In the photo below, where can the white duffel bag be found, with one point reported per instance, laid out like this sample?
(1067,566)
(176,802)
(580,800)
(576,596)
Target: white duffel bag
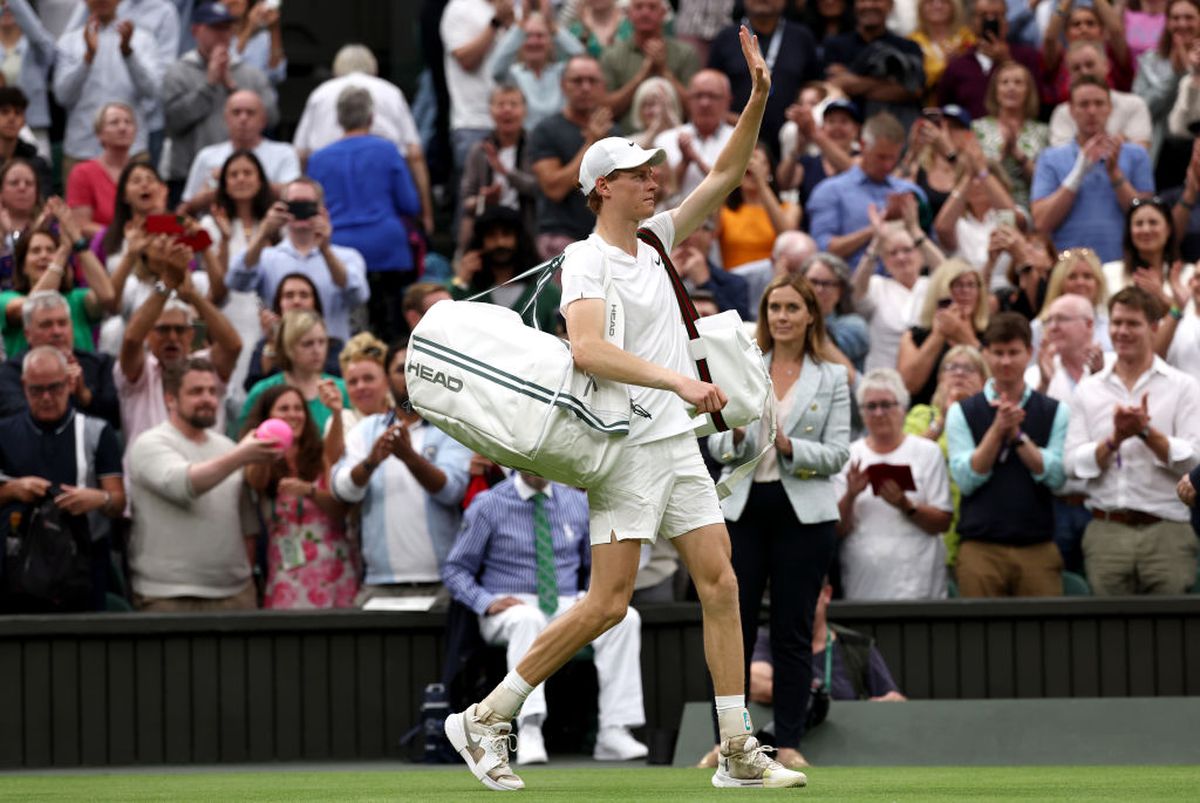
(513,393)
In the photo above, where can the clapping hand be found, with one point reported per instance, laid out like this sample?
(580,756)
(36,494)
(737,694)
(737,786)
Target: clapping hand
(1009,417)
(1130,421)
(125,29)
(856,479)
(330,395)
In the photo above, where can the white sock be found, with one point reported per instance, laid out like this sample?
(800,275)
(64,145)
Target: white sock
(505,700)
(732,717)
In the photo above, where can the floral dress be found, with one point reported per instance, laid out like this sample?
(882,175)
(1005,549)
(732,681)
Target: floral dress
(1032,139)
(310,560)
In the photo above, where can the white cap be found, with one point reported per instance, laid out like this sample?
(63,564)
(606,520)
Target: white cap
(614,153)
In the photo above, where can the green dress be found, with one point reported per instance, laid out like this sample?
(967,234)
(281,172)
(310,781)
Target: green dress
(81,322)
(917,423)
(319,412)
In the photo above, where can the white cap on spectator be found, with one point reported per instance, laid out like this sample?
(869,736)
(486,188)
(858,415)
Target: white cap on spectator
(614,153)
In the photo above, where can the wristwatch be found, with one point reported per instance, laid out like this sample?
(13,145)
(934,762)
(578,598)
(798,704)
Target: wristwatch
(911,511)
(80,245)
(161,288)
(1020,440)
(1145,433)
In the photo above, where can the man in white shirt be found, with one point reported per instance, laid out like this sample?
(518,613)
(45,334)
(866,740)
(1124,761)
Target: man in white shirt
(246,119)
(1134,429)
(469,30)
(1068,356)
(1130,116)
(107,60)
(355,65)
(693,147)
(161,20)
(662,487)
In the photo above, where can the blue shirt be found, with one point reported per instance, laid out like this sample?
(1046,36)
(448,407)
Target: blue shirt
(367,190)
(1096,220)
(406,532)
(961,445)
(280,260)
(494,555)
(838,205)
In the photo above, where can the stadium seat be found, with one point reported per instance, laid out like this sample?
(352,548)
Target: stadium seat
(1075,585)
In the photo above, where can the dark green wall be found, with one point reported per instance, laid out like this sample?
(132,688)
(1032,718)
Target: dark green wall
(122,689)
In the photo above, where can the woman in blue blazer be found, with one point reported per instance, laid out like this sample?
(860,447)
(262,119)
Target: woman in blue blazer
(782,521)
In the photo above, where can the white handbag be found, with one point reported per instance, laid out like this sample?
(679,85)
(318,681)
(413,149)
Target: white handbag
(513,393)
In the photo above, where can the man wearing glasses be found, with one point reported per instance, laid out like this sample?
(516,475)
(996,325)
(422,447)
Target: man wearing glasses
(556,149)
(47,320)
(161,333)
(1067,355)
(38,450)
(1006,445)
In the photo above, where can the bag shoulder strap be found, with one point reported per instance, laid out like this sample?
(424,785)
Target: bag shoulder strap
(687,310)
(80,450)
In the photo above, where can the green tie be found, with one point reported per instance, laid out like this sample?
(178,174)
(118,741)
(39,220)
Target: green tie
(543,544)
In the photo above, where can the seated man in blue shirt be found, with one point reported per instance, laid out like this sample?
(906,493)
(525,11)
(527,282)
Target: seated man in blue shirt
(837,208)
(339,273)
(1006,454)
(519,562)
(1082,190)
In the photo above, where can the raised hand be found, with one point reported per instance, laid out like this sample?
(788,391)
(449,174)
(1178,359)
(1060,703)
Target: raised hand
(856,479)
(755,62)
(125,29)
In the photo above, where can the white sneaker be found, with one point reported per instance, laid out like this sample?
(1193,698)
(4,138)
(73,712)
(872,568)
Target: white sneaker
(531,747)
(484,748)
(618,744)
(744,762)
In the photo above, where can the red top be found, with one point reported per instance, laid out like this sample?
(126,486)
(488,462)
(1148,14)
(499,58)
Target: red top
(89,185)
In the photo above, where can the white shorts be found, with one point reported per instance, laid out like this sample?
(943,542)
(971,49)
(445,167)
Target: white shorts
(658,488)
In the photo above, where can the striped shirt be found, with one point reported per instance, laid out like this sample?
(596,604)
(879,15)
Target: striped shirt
(494,554)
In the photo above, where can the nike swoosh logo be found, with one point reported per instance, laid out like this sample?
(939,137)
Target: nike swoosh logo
(658,262)
(472,742)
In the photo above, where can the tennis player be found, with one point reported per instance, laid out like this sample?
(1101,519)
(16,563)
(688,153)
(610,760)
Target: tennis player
(660,486)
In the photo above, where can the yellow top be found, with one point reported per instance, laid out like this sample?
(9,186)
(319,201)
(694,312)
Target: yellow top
(937,56)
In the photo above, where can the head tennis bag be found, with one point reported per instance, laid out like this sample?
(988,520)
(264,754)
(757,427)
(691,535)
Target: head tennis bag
(513,394)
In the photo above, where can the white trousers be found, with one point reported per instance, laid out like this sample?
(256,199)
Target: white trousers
(617,657)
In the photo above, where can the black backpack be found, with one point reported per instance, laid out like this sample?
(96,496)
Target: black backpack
(48,562)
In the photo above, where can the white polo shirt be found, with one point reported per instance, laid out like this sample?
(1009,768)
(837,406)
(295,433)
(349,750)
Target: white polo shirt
(653,326)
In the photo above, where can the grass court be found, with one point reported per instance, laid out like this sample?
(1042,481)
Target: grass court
(622,783)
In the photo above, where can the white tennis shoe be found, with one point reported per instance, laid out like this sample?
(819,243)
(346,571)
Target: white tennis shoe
(485,749)
(743,762)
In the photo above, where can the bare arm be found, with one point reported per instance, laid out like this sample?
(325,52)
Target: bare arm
(1050,211)
(731,164)
(226,343)
(916,364)
(594,355)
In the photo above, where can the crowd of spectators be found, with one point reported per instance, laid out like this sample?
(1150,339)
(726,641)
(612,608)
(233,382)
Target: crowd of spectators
(967,238)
